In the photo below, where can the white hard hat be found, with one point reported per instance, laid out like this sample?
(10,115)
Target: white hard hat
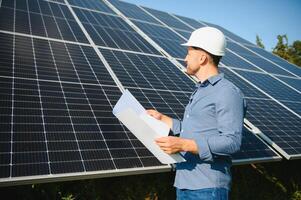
(210,39)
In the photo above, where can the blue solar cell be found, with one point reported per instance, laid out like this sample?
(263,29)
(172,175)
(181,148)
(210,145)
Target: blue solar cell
(253,148)
(168,19)
(231,35)
(112,31)
(92,4)
(277,123)
(134,70)
(232,60)
(245,87)
(134,12)
(257,60)
(41,18)
(271,86)
(294,82)
(192,22)
(165,38)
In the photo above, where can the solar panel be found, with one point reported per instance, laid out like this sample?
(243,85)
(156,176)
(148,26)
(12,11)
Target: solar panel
(230,35)
(40,18)
(253,149)
(133,12)
(281,127)
(144,71)
(191,22)
(91,4)
(271,86)
(165,38)
(257,60)
(232,59)
(294,82)
(277,60)
(57,112)
(168,19)
(112,31)
(60,78)
(273,120)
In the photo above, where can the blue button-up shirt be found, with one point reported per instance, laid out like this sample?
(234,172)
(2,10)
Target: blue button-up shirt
(213,118)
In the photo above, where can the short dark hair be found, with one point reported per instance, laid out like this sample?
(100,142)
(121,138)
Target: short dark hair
(215,59)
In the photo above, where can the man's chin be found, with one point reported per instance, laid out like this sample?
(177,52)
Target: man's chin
(189,72)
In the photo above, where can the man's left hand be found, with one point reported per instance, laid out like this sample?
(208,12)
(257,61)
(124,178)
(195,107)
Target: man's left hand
(171,144)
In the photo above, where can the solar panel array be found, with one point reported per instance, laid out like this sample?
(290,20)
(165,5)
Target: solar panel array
(65,63)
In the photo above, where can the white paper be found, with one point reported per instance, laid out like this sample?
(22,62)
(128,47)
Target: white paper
(146,128)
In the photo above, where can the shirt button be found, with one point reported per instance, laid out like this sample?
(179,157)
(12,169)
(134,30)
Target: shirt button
(187,116)
(182,131)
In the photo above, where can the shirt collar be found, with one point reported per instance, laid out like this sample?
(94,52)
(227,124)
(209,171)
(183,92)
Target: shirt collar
(212,80)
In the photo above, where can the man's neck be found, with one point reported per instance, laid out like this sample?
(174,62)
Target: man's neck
(206,72)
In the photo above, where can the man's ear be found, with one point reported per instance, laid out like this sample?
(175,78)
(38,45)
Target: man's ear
(203,59)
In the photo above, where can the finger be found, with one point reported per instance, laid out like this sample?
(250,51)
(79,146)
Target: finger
(161,139)
(150,111)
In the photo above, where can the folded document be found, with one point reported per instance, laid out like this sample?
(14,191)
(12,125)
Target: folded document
(146,128)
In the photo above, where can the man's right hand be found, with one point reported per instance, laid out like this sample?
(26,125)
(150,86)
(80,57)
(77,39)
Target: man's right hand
(159,116)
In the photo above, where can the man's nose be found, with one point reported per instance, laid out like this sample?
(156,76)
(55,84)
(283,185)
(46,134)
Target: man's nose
(185,60)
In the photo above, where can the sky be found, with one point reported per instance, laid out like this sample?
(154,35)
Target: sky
(246,18)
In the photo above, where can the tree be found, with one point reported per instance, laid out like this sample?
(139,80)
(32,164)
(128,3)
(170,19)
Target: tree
(295,53)
(291,53)
(281,48)
(259,42)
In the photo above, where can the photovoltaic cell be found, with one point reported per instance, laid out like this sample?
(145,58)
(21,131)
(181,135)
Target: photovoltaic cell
(246,88)
(253,148)
(294,105)
(231,35)
(185,34)
(112,31)
(256,60)
(165,38)
(271,86)
(134,12)
(134,70)
(274,58)
(274,121)
(294,82)
(281,126)
(192,22)
(170,103)
(232,60)
(168,19)
(40,18)
(61,122)
(91,4)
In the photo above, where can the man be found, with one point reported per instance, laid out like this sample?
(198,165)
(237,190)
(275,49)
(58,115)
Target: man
(212,124)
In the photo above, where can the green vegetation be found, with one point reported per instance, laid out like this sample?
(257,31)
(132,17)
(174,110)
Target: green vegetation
(267,181)
(291,53)
(259,42)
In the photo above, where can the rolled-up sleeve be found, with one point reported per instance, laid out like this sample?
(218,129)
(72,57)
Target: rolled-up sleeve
(176,126)
(229,115)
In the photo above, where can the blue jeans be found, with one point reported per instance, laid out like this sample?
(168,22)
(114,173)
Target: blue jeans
(203,194)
